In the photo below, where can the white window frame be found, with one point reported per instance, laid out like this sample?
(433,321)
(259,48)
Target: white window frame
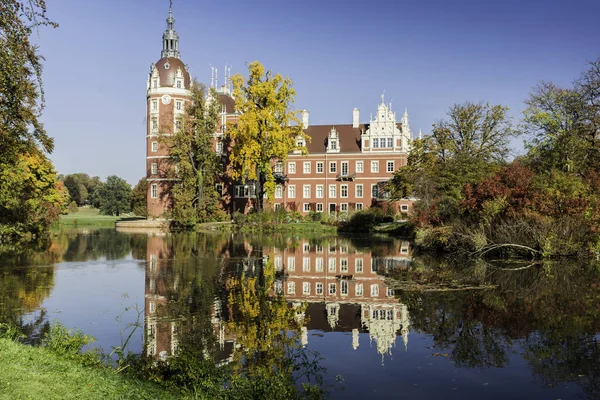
(306,264)
(344,287)
(154,191)
(291,288)
(374,290)
(278,191)
(154,147)
(387,165)
(292,191)
(358,265)
(306,207)
(306,192)
(307,167)
(343,265)
(319,288)
(319,207)
(404,207)
(342,164)
(374,165)
(291,261)
(359,206)
(332,288)
(219,147)
(374,187)
(334,165)
(359,167)
(331,267)
(154,105)
(390,142)
(359,194)
(332,191)
(306,288)
(343,207)
(319,264)
(342,187)
(322,190)
(321,167)
(358,289)
(291,167)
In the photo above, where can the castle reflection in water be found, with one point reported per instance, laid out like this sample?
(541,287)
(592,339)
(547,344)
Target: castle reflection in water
(342,285)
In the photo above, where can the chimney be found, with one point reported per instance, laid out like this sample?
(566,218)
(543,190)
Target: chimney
(355,118)
(304,119)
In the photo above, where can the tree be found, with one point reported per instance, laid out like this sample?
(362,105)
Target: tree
(29,200)
(462,149)
(264,132)
(563,124)
(114,196)
(195,199)
(21,90)
(139,198)
(478,131)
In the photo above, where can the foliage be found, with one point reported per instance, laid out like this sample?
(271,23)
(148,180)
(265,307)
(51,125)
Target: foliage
(73,208)
(30,198)
(266,130)
(139,198)
(114,196)
(82,188)
(68,344)
(21,91)
(195,199)
(365,221)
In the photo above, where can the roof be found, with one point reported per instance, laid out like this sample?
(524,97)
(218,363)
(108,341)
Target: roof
(228,102)
(349,137)
(167,76)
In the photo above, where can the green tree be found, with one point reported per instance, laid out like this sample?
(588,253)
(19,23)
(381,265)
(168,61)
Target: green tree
(267,129)
(29,199)
(195,199)
(114,196)
(139,198)
(563,124)
(21,90)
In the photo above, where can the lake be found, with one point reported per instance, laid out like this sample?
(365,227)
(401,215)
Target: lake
(385,323)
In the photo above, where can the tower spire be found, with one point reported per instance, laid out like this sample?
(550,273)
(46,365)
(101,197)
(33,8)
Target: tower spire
(170,37)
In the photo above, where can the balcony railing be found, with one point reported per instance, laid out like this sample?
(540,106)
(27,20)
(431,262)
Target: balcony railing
(345,177)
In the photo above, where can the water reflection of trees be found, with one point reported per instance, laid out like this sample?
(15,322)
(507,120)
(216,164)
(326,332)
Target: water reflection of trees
(551,310)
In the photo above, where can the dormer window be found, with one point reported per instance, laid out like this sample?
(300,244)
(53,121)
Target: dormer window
(333,141)
(179,83)
(155,83)
(300,142)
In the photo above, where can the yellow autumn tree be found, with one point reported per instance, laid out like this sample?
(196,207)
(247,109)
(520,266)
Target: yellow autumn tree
(267,129)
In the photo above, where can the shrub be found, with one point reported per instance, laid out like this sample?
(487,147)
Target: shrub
(73,208)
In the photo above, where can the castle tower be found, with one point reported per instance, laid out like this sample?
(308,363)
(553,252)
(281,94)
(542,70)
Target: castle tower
(168,91)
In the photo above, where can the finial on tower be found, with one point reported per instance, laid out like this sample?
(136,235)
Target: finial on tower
(170,36)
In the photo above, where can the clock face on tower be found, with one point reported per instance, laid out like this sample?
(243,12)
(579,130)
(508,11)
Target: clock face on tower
(166,99)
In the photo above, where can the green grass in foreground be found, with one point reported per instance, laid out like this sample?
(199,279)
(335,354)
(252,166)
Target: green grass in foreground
(35,373)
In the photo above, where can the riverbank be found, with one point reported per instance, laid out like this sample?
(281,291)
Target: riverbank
(37,373)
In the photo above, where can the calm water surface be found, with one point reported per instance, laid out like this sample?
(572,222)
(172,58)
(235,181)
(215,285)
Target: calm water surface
(389,323)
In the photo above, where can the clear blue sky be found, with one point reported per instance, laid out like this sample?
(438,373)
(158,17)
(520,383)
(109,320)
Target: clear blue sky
(426,55)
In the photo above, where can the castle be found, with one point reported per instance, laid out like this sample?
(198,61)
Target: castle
(345,170)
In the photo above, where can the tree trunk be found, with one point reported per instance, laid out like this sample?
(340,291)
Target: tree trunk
(260,188)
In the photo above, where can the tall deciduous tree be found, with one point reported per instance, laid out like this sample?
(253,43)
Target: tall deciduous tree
(479,131)
(139,198)
(114,196)
(267,129)
(21,92)
(195,199)
(28,195)
(563,124)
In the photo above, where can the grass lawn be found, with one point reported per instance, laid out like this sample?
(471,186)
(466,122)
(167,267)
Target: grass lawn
(87,216)
(36,373)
